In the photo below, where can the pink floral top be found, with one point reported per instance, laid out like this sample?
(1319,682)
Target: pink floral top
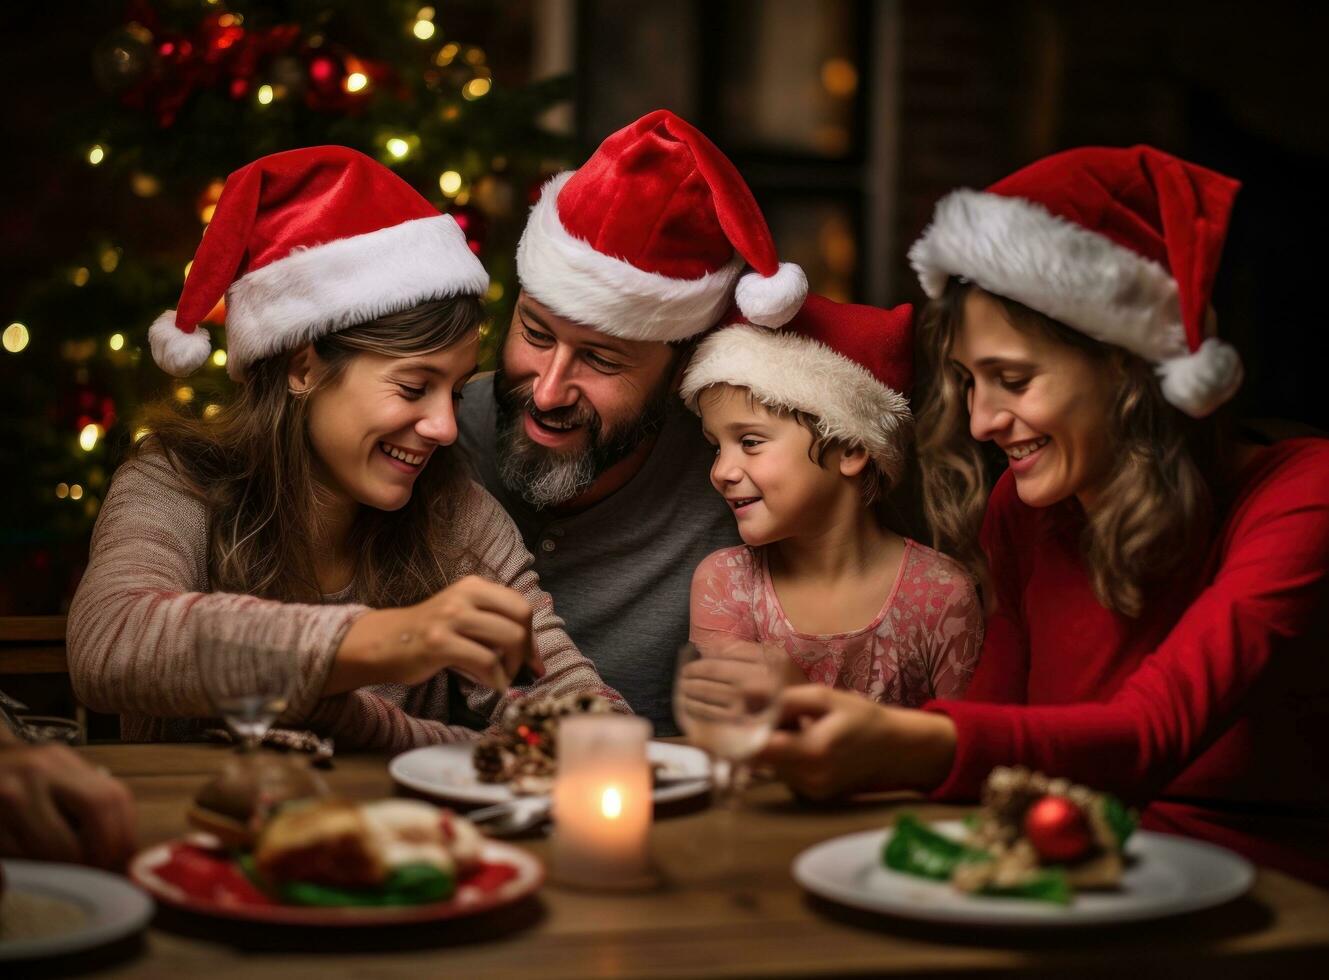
(923,644)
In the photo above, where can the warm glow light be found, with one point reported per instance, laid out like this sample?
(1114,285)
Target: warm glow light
(16,337)
(80,276)
(145,185)
(87,439)
(211,410)
(449,181)
(475,56)
(117,341)
(97,154)
(495,291)
(425,13)
(188,265)
(219,357)
(398,147)
(446,54)
(76,492)
(62,490)
(611,803)
(475,88)
(839,77)
(184,394)
(206,212)
(356,81)
(423,29)
(109,258)
(265,95)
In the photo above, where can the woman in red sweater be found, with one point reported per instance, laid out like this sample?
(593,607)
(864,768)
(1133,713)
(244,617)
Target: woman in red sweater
(1157,590)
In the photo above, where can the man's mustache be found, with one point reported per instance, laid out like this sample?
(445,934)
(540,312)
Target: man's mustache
(578,413)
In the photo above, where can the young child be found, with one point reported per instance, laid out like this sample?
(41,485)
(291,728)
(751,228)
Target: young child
(811,426)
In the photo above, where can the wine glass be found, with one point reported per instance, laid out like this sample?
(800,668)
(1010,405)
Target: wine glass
(726,699)
(248,681)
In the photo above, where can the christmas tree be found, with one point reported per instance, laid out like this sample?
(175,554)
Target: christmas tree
(190,91)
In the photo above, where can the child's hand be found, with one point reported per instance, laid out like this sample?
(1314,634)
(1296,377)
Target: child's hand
(832,743)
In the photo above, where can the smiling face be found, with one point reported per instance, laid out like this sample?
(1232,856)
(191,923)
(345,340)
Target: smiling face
(573,402)
(765,468)
(375,427)
(1046,404)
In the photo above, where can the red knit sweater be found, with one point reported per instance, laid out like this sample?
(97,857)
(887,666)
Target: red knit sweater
(1213,707)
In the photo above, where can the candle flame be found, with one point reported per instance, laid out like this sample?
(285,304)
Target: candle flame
(611,804)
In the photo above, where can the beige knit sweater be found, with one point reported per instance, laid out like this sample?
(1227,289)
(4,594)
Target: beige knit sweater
(132,635)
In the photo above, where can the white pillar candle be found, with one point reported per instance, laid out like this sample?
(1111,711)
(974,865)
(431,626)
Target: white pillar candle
(602,802)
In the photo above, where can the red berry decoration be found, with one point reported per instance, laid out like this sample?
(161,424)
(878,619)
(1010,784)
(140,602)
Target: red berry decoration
(1058,830)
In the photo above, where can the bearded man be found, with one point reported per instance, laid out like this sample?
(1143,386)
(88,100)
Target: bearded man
(579,433)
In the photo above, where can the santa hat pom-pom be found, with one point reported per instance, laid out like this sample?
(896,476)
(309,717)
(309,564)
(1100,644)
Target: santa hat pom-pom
(772,301)
(175,351)
(1198,383)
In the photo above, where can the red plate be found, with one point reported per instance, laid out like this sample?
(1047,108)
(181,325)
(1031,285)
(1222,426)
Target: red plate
(207,881)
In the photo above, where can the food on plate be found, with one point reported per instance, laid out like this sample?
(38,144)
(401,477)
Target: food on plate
(1034,837)
(524,752)
(239,800)
(389,852)
(29,915)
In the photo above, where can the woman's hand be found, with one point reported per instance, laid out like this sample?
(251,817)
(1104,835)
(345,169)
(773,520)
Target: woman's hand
(476,627)
(54,806)
(831,743)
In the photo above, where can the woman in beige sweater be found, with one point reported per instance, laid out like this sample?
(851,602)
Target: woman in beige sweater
(322,511)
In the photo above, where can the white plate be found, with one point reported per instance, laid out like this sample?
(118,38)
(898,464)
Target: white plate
(1167,876)
(113,908)
(445,771)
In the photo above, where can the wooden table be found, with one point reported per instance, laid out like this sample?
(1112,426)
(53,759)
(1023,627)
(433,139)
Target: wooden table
(755,922)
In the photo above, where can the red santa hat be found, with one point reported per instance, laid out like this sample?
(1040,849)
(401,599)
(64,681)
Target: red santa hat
(851,366)
(306,243)
(1120,244)
(647,240)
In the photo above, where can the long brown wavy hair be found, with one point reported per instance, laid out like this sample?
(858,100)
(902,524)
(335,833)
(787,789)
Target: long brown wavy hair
(254,467)
(1152,518)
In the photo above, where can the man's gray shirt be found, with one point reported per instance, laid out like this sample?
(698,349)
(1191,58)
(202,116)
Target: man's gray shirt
(621,571)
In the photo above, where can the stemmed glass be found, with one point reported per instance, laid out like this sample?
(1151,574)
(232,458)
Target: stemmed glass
(248,681)
(726,698)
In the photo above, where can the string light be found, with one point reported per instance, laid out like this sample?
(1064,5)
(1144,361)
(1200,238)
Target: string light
(398,148)
(264,95)
(446,54)
(117,341)
(184,394)
(475,56)
(449,182)
(356,81)
(76,492)
(109,258)
(62,490)
(495,291)
(145,185)
(16,337)
(475,88)
(423,29)
(211,410)
(425,13)
(96,154)
(87,439)
(80,276)
(839,77)
(219,357)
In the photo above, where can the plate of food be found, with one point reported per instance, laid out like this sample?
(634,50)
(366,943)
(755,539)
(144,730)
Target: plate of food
(1040,852)
(331,862)
(521,760)
(54,909)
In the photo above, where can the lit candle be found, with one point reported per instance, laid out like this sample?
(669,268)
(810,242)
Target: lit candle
(602,802)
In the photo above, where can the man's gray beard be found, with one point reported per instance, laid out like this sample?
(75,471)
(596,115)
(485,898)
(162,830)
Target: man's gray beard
(545,478)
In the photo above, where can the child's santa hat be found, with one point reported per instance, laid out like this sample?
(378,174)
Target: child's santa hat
(1120,244)
(305,243)
(850,366)
(647,240)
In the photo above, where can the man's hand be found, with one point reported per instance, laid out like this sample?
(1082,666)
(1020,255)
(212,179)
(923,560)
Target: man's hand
(832,743)
(54,806)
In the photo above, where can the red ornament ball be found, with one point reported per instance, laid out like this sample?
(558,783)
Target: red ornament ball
(1058,830)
